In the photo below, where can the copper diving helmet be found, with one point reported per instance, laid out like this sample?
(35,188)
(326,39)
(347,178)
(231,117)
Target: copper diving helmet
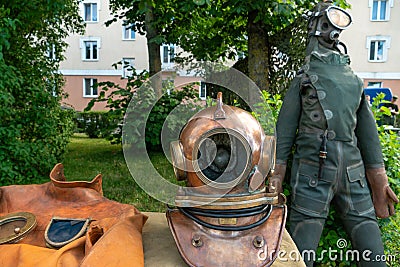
(225,216)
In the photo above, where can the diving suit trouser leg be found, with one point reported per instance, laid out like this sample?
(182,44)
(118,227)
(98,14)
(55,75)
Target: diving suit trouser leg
(366,240)
(306,232)
(354,204)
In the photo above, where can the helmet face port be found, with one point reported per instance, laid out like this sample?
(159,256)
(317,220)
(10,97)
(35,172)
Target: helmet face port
(222,158)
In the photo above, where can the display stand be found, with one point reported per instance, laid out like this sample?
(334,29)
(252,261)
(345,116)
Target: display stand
(160,249)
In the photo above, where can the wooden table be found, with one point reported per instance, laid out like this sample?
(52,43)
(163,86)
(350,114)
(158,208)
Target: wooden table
(160,249)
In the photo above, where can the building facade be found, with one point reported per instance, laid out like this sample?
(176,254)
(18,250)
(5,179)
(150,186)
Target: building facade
(372,41)
(93,57)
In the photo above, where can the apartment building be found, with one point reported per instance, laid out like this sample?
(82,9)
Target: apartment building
(92,57)
(372,41)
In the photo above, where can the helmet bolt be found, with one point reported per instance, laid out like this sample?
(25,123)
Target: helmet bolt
(196,241)
(258,241)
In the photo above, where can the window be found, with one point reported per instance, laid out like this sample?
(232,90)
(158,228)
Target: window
(89,87)
(127,67)
(90,12)
(380,9)
(51,52)
(127,31)
(203,91)
(167,54)
(90,48)
(378,48)
(375,84)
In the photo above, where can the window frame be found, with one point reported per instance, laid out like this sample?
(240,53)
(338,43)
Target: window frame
(92,95)
(125,28)
(83,48)
(170,57)
(203,88)
(125,72)
(375,84)
(389,5)
(386,45)
(82,6)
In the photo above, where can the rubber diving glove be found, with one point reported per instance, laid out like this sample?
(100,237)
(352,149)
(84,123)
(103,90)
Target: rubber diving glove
(276,180)
(383,196)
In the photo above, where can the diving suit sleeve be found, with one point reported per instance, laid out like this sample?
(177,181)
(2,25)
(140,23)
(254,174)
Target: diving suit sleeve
(288,121)
(368,138)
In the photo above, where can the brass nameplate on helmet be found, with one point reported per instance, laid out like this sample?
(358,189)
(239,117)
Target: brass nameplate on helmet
(227,221)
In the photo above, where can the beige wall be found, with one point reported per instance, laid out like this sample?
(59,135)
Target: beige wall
(355,38)
(112,49)
(112,46)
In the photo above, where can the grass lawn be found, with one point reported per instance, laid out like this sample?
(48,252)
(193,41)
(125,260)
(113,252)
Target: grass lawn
(86,157)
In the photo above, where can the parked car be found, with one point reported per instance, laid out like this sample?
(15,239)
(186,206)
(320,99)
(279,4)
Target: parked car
(373,92)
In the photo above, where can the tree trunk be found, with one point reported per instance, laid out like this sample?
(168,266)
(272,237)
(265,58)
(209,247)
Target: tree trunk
(153,49)
(258,48)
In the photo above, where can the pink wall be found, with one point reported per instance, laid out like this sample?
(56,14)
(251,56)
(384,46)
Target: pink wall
(392,84)
(74,89)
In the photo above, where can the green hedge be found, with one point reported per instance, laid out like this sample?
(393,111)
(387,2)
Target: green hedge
(96,124)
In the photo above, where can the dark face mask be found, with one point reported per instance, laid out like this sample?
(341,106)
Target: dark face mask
(327,23)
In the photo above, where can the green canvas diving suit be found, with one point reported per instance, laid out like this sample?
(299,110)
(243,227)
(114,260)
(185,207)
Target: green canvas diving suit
(326,118)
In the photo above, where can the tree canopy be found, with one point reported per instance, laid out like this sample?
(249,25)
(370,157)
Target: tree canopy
(223,29)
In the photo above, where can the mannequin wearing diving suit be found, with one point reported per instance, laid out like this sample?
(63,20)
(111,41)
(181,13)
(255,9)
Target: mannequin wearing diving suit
(326,117)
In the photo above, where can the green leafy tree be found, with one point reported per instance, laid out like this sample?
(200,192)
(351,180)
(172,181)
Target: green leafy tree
(269,33)
(226,29)
(390,143)
(34,129)
(152,18)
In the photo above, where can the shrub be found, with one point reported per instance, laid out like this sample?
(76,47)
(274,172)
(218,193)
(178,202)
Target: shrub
(182,102)
(95,123)
(146,113)
(34,128)
(267,111)
(390,142)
